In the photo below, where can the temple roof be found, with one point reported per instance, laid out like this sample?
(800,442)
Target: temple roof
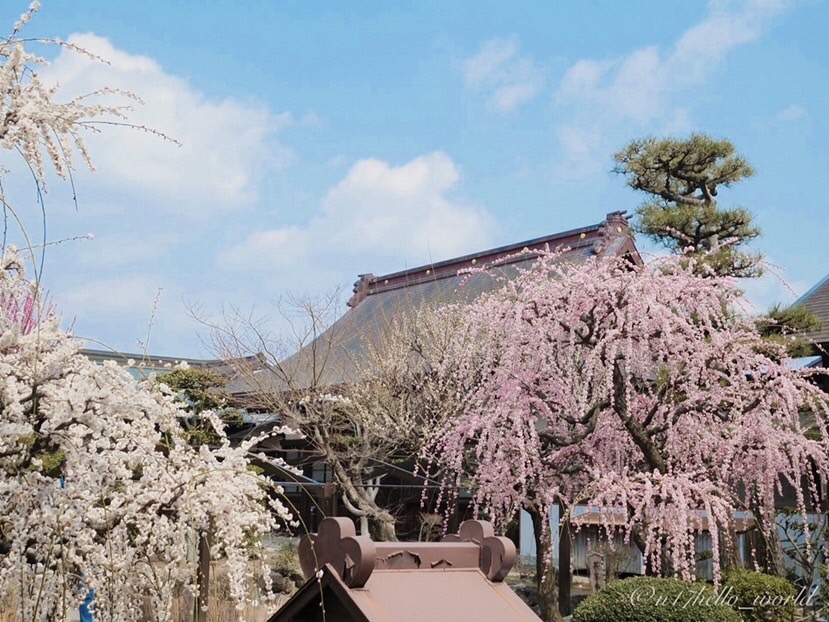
(338,355)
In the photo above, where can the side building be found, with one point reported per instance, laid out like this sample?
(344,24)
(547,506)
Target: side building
(816,300)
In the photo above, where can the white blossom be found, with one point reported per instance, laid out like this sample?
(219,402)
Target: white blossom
(134,494)
(98,488)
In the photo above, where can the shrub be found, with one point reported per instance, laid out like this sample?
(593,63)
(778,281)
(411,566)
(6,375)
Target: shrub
(648,599)
(822,603)
(286,574)
(761,597)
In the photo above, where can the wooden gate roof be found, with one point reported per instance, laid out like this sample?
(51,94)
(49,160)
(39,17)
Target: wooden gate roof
(353,579)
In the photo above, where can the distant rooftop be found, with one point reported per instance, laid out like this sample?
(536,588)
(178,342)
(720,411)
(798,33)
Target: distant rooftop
(600,239)
(377,300)
(817,301)
(141,365)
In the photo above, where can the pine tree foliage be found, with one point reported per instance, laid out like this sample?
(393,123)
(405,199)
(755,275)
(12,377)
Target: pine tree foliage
(683,178)
(200,391)
(785,326)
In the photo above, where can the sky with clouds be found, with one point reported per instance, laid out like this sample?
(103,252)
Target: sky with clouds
(319,141)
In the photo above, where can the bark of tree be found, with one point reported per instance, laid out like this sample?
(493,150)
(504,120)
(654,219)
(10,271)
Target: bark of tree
(358,499)
(764,543)
(565,576)
(545,573)
(203,601)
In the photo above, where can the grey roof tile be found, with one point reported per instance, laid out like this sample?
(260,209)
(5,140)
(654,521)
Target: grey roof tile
(337,356)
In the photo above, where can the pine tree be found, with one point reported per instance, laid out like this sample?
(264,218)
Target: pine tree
(683,178)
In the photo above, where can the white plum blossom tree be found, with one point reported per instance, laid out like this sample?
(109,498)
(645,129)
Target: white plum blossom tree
(99,490)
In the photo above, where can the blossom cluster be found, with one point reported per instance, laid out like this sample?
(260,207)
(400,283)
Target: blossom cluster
(32,121)
(641,390)
(99,489)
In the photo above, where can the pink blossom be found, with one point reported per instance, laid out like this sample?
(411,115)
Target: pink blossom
(640,389)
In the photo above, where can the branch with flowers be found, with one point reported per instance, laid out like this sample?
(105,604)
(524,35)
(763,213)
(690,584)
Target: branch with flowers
(99,488)
(644,392)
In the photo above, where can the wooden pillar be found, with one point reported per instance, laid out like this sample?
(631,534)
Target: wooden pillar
(204,578)
(564,570)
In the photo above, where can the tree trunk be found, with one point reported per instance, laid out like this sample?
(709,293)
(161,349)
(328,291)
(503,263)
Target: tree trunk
(764,541)
(764,550)
(729,553)
(545,573)
(638,537)
(380,521)
(359,500)
(203,601)
(381,527)
(564,574)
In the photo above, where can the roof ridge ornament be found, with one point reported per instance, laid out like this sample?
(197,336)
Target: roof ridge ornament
(614,226)
(355,557)
(361,289)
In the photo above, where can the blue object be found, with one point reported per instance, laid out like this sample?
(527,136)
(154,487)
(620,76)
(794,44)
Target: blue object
(83,611)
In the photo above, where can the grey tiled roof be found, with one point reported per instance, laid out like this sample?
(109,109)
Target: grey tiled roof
(338,355)
(817,301)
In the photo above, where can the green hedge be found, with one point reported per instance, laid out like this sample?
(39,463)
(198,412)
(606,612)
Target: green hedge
(761,597)
(648,599)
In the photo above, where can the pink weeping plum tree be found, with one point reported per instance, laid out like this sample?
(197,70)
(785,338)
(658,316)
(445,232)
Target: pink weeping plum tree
(642,391)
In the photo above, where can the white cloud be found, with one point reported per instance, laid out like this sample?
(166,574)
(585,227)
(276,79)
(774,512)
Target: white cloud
(643,88)
(679,122)
(508,78)
(158,211)
(580,144)
(639,85)
(582,79)
(116,294)
(792,113)
(379,213)
(117,248)
(272,249)
(727,26)
(122,311)
(630,85)
(227,145)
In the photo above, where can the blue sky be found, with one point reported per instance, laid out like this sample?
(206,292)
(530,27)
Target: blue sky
(324,140)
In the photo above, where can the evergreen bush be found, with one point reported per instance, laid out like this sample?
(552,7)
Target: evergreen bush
(649,599)
(761,597)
